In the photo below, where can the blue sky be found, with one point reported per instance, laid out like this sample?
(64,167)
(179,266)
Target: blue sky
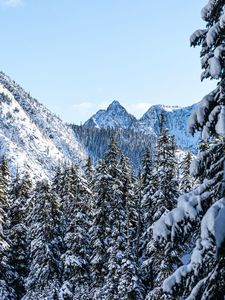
(77,56)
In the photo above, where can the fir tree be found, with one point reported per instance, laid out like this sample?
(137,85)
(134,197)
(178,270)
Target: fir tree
(186,182)
(76,275)
(20,194)
(100,230)
(158,263)
(201,211)
(7,274)
(130,286)
(89,170)
(45,236)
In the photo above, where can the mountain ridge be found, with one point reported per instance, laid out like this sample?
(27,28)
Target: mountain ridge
(176,120)
(33,139)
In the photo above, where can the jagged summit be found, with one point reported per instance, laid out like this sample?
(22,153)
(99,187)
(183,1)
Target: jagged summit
(115,105)
(176,118)
(115,116)
(31,136)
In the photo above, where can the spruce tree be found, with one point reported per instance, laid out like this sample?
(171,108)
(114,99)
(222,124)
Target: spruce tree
(116,222)
(148,189)
(45,237)
(21,191)
(76,265)
(89,170)
(7,273)
(100,229)
(130,286)
(158,263)
(186,180)
(200,213)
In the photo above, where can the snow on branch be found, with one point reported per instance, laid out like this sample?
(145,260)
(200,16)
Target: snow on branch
(210,8)
(188,208)
(211,240)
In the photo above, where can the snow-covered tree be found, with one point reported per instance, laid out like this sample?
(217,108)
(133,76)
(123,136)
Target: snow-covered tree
(116,225)
(148,189)
(89,170)
(114,229)
(130,286)
(20,194)
(76,273)
(45,236)
(100,230)
(186,180)
(7,273)
(200,214)
(162,196)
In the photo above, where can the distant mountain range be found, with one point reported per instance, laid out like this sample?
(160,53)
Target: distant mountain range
(37,141)
(176,120)
(135,135)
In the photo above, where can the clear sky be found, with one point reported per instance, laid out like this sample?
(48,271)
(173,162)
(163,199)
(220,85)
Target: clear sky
(76,56)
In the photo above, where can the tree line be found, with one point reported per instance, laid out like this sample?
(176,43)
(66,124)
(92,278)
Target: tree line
(85,234)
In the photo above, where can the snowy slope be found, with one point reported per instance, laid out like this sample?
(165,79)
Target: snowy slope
(176,120)
(33,139)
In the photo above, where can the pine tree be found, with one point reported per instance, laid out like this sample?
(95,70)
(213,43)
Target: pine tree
(100,230)
(200,213)
(158,263)
(45,236)
(76,274)
(109,226)
(116,223)
(130,286)
(20,194)
(89,170)
(63,186)
(6,271)
(148,189)
(186,182)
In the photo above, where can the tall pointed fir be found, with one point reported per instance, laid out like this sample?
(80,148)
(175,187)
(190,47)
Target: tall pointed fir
(186,181)
(202,210)
(100,229)
(166,170)
(89,170)
(20,193)
(116,223)
(45,237)
(158,262)
(109,226)
(62,186)
(148,188)
(76,271)
(130,286)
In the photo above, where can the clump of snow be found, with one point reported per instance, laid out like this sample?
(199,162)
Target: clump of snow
(220,126)
(214,67)
(212,225)
(219,224)
(212,34)
(189,206)
(197,35)
(208,9)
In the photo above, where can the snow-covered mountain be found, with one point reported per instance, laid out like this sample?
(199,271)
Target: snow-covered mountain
(32,138)
(176,120)
(114,117)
